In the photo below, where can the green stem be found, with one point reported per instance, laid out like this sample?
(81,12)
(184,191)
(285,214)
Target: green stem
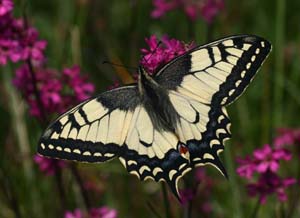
(60,188)
(153,210)
(5,185)
(234,186)
(279,62)
(83,192)
(188,210)
(166,201)
(295,198)
(17,111)
(255,210)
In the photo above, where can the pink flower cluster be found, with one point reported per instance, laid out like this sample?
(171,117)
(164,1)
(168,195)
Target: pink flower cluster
(47,165)
(287,136)
(6,6)
(18,41)
(102,212)
(262,160)
(265,162)
(207,9)
(57,90)
(204,186)
(159,54)
(268,184)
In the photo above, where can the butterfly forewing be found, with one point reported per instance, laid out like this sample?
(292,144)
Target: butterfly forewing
(94,130)
(216,73)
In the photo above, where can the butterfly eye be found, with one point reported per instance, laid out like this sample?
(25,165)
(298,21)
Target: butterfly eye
(184,151)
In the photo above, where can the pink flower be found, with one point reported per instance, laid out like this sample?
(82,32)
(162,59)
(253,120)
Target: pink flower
(19,42)
(101,212)
(207,9)
(268,184)
(115,84)
(158,55)
(203,179)
(76,214)
(247,167)
(162,7)
(47,165)
(268,158)
(204,186)
(6,48)
(57,90)
(187,195)
(287,136)
(263,160)
(6,6)
(82,89)
(210,9)
(206,208)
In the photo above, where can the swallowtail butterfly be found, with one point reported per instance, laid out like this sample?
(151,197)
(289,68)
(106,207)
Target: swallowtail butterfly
(166,124)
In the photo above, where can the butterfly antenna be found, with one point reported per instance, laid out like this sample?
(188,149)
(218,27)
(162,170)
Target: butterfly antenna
(153,52)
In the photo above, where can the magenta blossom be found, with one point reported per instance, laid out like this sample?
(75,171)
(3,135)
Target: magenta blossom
(162,7)
(204,186)
(268,158)
(76,214)
(202,178)
(158,55)
(268,184)
(262,160)
(246,167)
(57,90)
(82,89)
(210,9)
(47,165)
(101,212)
(207,9)
(187,195)
(287,136)
(6,6)
(19,42)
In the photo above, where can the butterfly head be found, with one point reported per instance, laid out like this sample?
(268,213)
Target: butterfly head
(145,81)
(143,72)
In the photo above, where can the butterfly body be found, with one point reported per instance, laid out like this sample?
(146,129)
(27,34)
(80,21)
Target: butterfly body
(168,123)
(156,101)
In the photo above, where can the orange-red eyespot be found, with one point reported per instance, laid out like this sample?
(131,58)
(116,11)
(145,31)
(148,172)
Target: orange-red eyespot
(184,151)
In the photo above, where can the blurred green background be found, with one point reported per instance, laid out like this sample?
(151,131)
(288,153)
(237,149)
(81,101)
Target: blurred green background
(88,32)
